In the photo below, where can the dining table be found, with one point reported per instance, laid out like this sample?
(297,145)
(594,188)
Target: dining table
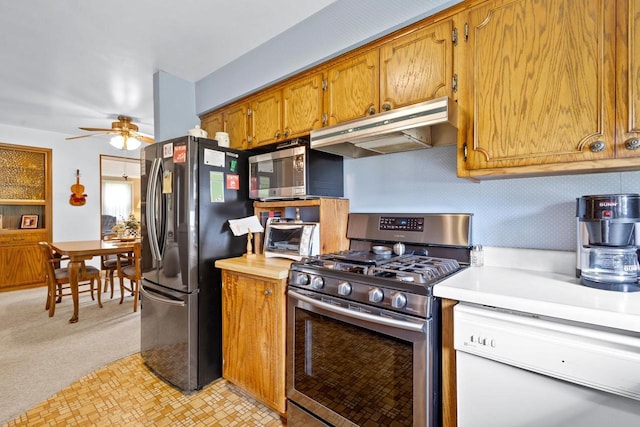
(84,250)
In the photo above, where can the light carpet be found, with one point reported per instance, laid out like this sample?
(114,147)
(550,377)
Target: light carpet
(40,355)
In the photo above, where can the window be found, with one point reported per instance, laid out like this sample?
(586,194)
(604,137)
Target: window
(117,198)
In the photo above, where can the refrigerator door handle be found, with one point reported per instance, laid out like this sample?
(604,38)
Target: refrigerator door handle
(152,187)
(152,296)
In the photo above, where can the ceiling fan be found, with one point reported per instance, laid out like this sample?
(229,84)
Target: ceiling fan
(126,134)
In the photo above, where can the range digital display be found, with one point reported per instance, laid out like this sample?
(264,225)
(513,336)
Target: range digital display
(401,223)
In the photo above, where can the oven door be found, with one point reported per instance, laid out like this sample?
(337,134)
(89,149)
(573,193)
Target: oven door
(350,367)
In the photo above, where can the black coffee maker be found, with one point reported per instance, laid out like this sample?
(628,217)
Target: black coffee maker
(609,241)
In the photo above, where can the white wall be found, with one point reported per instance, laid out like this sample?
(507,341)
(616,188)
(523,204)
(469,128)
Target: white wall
(70,222)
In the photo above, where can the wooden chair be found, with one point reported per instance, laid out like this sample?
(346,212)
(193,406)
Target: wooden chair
(128,267)
(109,264)
(58,278)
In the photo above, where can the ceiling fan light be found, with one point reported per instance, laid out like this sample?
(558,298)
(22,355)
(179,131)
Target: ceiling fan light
(117,141)
(132,143)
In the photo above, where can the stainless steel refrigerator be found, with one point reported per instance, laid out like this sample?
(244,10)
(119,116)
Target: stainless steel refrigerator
(190,188)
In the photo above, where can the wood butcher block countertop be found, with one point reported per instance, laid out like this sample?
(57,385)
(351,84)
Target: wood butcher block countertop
(259,265)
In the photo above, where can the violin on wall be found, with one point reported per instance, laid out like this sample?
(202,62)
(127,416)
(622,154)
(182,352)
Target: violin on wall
(78,198)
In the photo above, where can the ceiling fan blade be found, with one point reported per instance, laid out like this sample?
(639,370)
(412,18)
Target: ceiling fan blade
(97,129)
(83,136)
(145,139)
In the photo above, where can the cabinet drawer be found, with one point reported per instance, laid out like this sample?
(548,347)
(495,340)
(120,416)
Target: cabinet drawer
(22,237)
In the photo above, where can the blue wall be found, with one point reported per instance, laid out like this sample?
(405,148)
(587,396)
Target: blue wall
(517,212)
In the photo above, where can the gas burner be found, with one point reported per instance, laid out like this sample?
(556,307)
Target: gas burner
(417,269)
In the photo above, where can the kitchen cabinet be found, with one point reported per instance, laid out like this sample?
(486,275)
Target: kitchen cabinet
(266,118)
(628,79)
(542,88)
(236,124)
(254,330)
(417,66)
(352,88)
(25,189)
(233,119)
(302,106)
(286,112)
(332,214)
(213,123)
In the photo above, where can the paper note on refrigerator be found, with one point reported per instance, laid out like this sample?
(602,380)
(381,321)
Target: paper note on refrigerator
(216,186)
(244,225)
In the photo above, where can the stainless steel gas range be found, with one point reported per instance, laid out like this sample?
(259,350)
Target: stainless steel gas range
(363,331)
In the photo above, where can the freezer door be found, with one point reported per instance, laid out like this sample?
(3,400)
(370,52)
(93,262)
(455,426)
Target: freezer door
(168,336)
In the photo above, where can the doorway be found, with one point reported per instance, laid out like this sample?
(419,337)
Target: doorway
(119,191)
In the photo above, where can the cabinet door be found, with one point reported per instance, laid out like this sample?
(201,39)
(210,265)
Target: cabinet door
(266,118)
(542,82)
(20,265)
(236,124)
(212,122)
(252,336)
(417,67)
(352,88)
(628,83)
(302,106)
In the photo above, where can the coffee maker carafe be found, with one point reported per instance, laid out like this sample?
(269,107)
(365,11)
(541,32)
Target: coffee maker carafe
(609,241)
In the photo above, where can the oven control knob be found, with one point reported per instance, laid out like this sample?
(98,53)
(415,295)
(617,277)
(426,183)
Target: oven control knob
(398,300)
(376,295)
(302,280)
(317,283)
(344,288)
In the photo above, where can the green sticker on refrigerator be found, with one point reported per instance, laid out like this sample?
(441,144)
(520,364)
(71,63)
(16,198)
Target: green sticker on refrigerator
(216,185)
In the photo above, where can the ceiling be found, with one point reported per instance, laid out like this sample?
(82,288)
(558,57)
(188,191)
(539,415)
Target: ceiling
(76,63)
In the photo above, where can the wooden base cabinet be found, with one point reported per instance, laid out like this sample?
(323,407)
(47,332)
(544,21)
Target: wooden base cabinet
(21,262)
(254,336)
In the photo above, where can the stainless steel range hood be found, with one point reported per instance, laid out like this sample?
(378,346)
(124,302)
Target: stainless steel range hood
(417,126)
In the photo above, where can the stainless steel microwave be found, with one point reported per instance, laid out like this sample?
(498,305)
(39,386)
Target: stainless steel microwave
(295,172)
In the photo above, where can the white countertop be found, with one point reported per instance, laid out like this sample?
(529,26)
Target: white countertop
(544,283)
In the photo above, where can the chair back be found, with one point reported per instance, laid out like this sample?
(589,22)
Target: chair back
(49,259)
(132,271)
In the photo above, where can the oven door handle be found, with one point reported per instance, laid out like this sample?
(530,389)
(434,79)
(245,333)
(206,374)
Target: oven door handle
(384,321)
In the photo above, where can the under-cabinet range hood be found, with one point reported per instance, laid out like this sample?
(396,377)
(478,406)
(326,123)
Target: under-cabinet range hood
(417,126)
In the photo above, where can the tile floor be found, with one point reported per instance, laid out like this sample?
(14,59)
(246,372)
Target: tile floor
(127,393)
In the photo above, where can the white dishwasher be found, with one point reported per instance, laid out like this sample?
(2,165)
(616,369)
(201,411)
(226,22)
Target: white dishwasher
(519,370)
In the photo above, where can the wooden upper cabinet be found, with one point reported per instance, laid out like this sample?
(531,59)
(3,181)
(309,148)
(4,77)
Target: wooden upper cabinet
(417,66)
(212,123)
(302,106)
(352,88)
(25,189)
(266,118)
(541,93)
(236,124)
(628,83)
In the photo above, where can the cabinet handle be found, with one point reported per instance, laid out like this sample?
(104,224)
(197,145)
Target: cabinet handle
(597,146)
(277,135)
(286,133)
(632,143)
(371,111)
(268,292)
(386,107)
